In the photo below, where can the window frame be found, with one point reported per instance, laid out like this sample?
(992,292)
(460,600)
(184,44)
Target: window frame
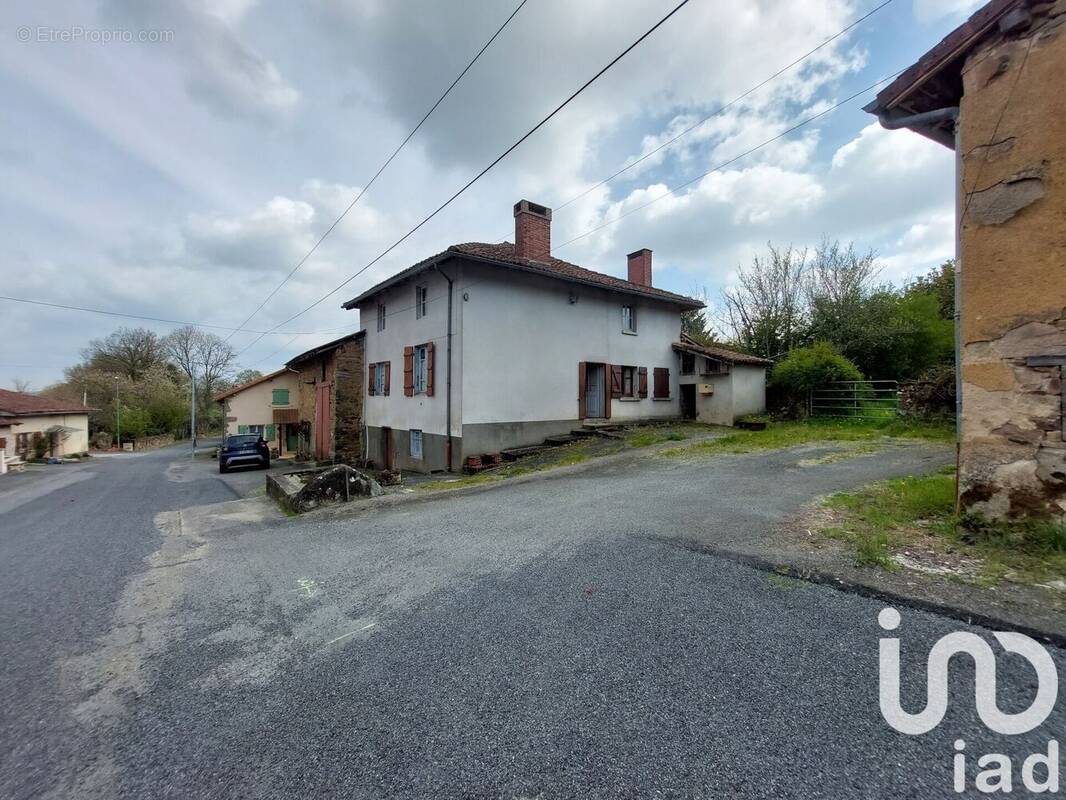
(415,434)
(381,317)
(629,319)
(379,378)
(274,397)
(691,370)
(420,369)
(629,373)
(421,301)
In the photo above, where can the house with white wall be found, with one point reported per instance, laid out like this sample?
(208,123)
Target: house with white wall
(718,385)
(26,419)
(484,347)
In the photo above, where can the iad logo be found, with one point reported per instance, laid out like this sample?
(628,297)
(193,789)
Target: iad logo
(995,773)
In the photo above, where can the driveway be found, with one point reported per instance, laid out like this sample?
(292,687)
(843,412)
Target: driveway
(549,638)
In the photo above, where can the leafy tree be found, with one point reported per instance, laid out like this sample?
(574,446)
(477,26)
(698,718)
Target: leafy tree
(940,283)
(765,312)
(805,369)
(127,351)
(694,323)
(246,375)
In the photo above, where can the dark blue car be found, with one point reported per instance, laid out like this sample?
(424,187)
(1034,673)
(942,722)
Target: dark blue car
(242,450)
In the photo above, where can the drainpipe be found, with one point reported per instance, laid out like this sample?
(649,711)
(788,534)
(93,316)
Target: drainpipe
(930,119)
(448,400)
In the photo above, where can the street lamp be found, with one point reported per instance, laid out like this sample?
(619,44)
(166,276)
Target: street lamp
(118,417)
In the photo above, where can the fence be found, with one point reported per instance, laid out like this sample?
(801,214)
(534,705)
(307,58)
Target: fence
(857,399)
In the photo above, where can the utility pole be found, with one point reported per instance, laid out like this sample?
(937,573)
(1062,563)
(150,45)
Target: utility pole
(192,375)
(118,418)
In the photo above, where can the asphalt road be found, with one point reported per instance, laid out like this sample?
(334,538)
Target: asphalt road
(544,639)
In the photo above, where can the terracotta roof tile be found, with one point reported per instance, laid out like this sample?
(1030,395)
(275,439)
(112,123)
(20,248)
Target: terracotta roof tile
(23,404)
(503,254)
(721,353)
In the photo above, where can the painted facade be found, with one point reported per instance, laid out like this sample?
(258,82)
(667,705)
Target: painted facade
(254,408)
(532,339)
(330,396)
(1002,69)
(69,433)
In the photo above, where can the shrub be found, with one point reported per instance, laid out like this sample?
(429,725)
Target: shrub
(806,368)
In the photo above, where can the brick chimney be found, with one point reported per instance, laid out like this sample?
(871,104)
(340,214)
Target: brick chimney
(640,267)
(532,231)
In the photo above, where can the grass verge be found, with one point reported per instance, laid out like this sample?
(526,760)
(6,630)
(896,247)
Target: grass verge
(788,434)
(914,517)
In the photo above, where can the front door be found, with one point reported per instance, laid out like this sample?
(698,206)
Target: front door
(594,394)
(688,401)
(292,438)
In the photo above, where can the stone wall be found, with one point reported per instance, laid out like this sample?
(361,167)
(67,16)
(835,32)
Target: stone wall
(1013,253)
(348,390)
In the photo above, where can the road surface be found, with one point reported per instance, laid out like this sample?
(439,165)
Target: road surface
(545,639)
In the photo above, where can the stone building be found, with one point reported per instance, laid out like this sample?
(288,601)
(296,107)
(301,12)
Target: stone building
(329,400)
(1000,76)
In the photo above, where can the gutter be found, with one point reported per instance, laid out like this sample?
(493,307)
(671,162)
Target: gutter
(926,123)
(448,399)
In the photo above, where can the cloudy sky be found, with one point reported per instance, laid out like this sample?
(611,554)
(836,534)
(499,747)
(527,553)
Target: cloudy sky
(182,177)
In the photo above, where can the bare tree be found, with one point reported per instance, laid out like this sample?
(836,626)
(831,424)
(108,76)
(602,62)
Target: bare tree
(839,276)
(202,355)
(20,384)
(765,313)
(128,351)
(694,323)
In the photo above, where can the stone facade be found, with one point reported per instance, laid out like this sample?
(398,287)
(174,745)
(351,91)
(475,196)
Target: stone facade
(1013,254)
(341,366)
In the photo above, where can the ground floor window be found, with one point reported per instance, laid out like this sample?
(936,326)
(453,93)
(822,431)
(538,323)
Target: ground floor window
(629,381)
(260,429)
(416,444)
(22,442)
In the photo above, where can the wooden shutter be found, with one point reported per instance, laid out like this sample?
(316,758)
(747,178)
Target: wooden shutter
(371,384)
(662,383)
(388,377)
(242,429)
(409,372)
(616,379)
(581,390)
(642,377)
(429,369)
(270,430)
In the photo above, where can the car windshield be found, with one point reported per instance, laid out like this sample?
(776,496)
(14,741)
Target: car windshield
(242,440)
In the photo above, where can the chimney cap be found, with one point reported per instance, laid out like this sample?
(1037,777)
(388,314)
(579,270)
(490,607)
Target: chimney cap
(526,207)
(639,252)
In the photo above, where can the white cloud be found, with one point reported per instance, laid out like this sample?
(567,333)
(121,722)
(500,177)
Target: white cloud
(931,10)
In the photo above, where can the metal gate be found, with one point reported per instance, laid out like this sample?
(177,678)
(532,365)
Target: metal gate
(856,399)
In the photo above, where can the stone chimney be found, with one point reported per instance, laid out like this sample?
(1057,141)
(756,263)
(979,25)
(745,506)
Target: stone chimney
(532,231)
(640,267)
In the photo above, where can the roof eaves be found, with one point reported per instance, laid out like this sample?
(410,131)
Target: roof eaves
(248,384)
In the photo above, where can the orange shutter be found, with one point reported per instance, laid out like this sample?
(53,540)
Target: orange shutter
(616,380)
(409,372)
(429,369)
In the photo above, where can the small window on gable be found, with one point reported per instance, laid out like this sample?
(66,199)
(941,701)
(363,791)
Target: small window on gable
(280,397)
(420,301)
(416,444)
(381,316)
(629,319)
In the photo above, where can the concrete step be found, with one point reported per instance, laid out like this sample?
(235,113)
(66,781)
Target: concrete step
(584,433)
(516,453)
(563,438)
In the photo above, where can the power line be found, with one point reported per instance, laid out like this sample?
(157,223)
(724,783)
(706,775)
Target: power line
(146,318)
(724,164)
(382,168)
(728,105)
(495,161)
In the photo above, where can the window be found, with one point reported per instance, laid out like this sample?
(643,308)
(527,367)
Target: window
(258,430)
(688,364)
(629,319)
(712,366)
(421,359)
(379,379)
(420,301)
(381,316)
(22,442)
(280,397)
(416,444)
(629,381)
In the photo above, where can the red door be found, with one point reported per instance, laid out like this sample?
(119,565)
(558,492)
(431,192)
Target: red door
(323,422)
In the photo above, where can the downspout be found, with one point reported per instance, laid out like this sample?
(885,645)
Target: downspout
(930,119)
(448,399)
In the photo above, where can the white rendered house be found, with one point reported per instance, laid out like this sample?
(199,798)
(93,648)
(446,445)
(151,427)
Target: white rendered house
(485,347)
